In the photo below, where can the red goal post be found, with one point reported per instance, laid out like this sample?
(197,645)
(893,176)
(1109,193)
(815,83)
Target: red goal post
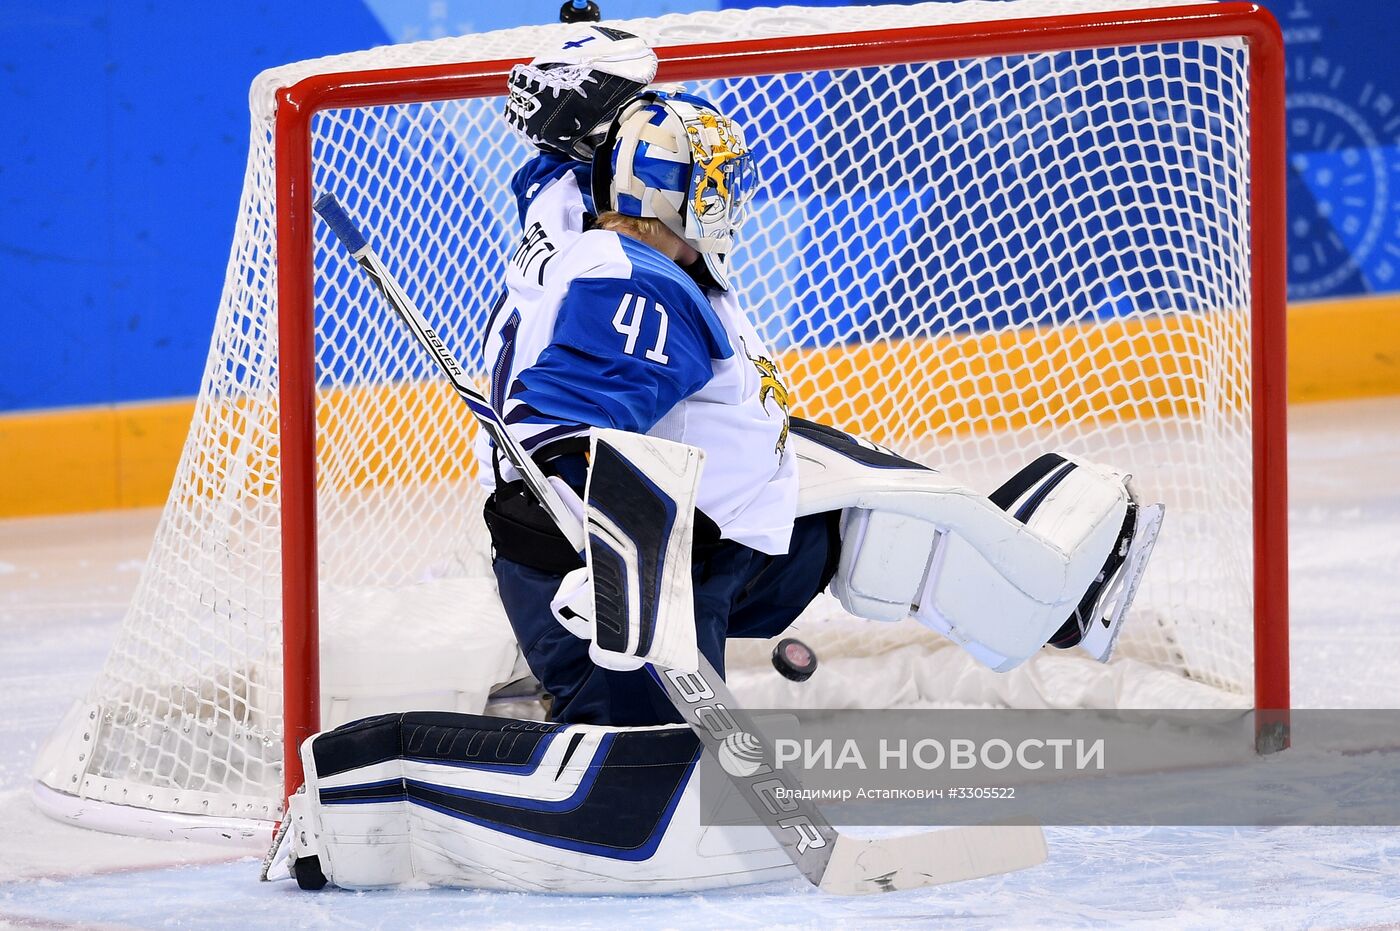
(297,105)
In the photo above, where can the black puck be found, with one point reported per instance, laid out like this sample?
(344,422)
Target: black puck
(794,659)
(307,871)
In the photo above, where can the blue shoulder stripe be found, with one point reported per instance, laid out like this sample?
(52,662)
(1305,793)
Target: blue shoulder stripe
(648,262)
(543,170)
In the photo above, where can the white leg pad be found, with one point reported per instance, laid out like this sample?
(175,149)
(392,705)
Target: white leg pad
(884,556)
(998,581)
(445,810)
(975,604)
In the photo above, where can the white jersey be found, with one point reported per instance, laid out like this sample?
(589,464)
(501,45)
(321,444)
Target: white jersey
(621,337)
(552,197)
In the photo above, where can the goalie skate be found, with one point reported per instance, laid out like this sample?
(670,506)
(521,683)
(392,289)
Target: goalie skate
(1096,623)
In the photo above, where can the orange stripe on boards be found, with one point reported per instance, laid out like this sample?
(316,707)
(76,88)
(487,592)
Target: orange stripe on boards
(404,433)
(121,456)
(57,462)
(149,440)
(1007,380)
(1344,349)
(85,459)
(396,434)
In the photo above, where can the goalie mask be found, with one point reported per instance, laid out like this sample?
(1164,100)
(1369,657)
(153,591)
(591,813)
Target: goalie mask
(564,100)
(675,157)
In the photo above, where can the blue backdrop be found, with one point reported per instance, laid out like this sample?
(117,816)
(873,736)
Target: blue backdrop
(128,133)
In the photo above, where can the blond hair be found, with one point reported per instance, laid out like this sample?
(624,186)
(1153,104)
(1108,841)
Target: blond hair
(639,227)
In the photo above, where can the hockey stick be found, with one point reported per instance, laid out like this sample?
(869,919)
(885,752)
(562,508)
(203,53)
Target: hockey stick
(830,860)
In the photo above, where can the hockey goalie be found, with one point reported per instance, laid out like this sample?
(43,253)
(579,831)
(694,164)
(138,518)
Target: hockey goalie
(623,363)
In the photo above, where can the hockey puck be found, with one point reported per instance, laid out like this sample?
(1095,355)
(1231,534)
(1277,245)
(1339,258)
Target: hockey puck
(308,874)
(794,659)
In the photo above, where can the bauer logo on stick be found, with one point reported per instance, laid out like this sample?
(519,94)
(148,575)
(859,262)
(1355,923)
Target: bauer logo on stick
(440,350)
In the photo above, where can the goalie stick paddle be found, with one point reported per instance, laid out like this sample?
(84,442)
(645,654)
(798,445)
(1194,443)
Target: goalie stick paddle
(832,861)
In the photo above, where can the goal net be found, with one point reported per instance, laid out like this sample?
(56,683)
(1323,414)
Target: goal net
(984,230)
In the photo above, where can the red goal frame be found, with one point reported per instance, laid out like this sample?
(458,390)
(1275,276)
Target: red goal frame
(298,104)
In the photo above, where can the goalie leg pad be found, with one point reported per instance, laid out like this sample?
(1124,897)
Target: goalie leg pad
(463,800)
(884,557)
(1076,507)
(997,575)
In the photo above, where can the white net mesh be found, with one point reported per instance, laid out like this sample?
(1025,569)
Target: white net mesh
(971,261)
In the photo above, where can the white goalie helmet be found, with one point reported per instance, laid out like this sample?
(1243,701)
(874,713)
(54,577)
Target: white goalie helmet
(674,157)
(565,98)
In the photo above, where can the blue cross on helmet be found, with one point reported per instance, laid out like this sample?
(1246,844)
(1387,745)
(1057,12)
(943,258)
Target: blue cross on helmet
(674,157)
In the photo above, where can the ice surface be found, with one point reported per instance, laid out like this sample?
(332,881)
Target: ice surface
(64,583)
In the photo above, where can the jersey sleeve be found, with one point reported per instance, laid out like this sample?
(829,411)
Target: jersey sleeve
(624,352)
(540,172)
